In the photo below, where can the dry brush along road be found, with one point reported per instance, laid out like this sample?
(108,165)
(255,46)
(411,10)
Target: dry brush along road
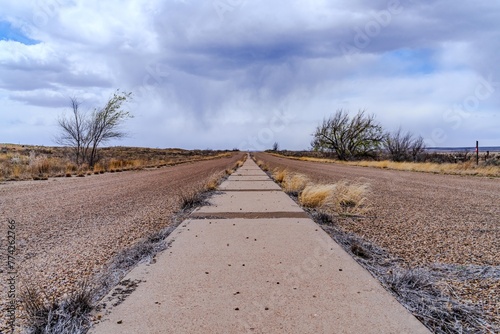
(427,221)
(68,229)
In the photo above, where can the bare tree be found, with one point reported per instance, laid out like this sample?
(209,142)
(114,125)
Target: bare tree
(403,146)
(74,131)
(349,138)
(104,124)
(276,146)
(85,132)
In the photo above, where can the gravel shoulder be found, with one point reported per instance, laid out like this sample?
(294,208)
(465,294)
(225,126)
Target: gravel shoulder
(424,219)
(69,228)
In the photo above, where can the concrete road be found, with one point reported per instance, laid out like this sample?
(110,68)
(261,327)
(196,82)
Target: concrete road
(252,262)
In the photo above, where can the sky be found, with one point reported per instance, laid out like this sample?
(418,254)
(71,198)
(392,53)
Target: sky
(224,74)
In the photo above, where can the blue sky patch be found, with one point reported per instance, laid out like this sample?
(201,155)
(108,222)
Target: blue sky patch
(10,33)
(415,61)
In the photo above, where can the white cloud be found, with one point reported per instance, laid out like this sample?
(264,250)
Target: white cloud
(213,74)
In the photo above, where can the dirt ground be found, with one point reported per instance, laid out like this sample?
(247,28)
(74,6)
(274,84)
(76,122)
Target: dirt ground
(67,229)
(424,219)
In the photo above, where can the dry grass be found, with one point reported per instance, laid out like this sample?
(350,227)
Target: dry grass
(262,165)
(340,198)
(69,316)
(418,289)
(348,199)
(279,174)
(315,195)
(213,181)
(294,183)
(461,168)
(37,162)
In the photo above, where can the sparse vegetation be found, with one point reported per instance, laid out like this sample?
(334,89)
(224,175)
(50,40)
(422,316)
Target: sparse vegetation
(340,198)
(38,162)
(213,181)
(262,165)
(294,183)
(191,197)
(488,168)
(279,175)
(315,195)
(68,316)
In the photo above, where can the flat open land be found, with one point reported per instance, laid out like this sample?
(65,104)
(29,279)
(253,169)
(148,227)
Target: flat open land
(68,229)
(425,219)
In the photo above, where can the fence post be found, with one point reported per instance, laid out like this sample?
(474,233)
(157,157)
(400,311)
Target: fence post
(477,153)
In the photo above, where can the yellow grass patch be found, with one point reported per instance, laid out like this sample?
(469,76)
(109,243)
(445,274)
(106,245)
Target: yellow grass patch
(295,182)
(213,182)
(341,197)
(279,174)
(350,199)
(315,195)
(262,165)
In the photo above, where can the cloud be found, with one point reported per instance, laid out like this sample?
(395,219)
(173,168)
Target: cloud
(214,73)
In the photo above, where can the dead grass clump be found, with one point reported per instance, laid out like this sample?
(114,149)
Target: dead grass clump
(192,197)
(40,166)
(348,199)
(294,183)
(315,195)
(262,165)
(98,168)
(69,316)
(280,174)
(213,182)
(340,198)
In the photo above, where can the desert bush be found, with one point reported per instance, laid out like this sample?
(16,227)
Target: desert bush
(403,146)
(356,137)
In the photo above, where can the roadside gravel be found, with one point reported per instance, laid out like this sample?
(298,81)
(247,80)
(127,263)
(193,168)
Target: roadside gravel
(69,228)
(425,219)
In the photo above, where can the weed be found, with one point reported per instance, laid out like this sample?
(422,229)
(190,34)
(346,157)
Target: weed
(262,165)
(213,182)
(315,195)
(340,198)
(190,198)
(69,316)
(350,199)
(279,174)
(294,183)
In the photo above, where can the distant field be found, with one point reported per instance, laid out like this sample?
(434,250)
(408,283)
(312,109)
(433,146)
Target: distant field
(25,162)
(455,163)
